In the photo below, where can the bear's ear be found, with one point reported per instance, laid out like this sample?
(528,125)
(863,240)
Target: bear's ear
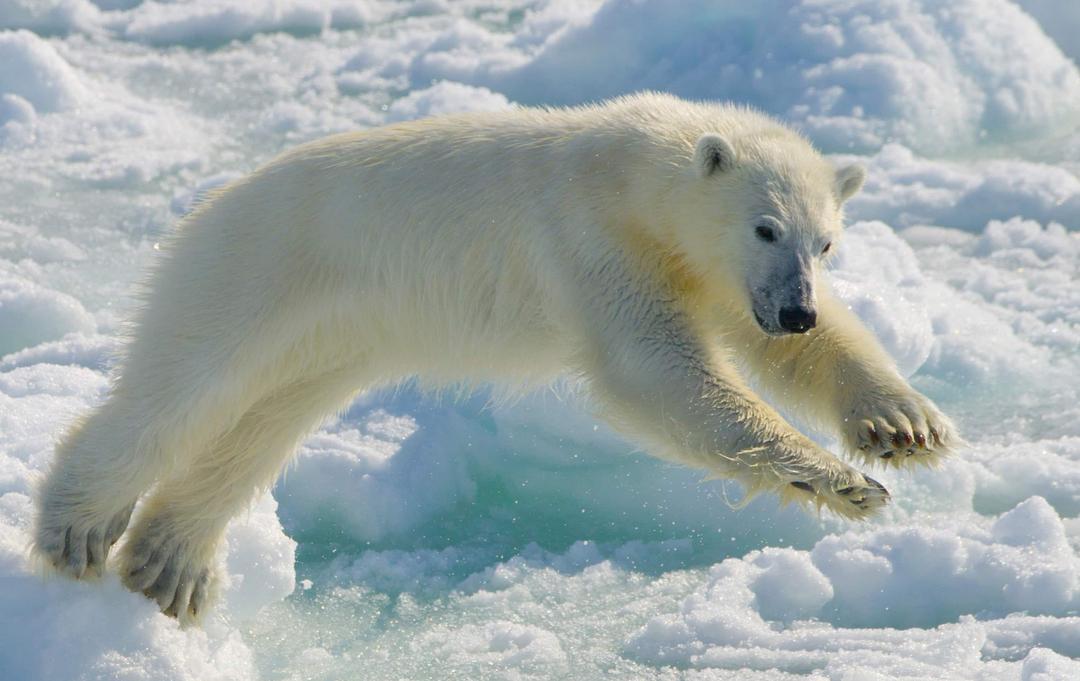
(849,181)
(713,154)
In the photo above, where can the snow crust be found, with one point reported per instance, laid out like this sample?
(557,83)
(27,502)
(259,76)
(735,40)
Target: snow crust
(854,75)
(423,538)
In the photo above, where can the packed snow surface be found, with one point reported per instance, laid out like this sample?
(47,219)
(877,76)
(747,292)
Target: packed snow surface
(452,539)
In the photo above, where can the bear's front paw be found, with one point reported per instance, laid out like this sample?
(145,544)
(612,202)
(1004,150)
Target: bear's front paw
(857,497)
(901,428)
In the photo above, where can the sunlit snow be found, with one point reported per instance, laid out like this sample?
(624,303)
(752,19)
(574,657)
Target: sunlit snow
(418,538)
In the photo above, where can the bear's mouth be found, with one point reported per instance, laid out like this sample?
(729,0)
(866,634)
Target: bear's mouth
(769,329)
(761,322)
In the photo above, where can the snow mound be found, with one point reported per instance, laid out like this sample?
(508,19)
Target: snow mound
(854,75)
(18,242)
(62,630)
(52,116)
(1060,20)
(50,16)
(32,314)
(1026,272)
(77,349)
(878,276)
(213,22)
(745,614)
(259,562)
(377,478)
(903,577)
(34,73)
(905,190)
(772,612)
(397,466)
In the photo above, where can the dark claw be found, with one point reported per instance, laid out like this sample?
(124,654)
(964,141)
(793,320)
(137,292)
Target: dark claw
(805,486)
(920,439)
(877,485)
(897,439)
(874,436)
(845,490)
(888,455)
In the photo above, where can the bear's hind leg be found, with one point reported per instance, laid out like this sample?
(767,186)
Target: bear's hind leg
(171,552)
(85,502)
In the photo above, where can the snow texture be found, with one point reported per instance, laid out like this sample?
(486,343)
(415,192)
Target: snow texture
(418,537)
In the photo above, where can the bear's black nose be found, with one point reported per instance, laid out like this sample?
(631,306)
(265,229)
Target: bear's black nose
(797,319)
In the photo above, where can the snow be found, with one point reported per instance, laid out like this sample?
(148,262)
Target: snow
(445,97)
(214,22)
(365,476)
(831,597)
(854,74)
(471,539)
(906,190)
(1060,20)
(497,645)
(31,314)
(37,75)
(877,275)
(56,629)
(50,16)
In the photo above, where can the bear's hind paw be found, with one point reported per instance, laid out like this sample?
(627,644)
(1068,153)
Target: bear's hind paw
(77,547)
(179,578)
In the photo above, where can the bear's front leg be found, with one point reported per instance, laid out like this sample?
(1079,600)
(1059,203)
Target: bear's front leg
(655,380)
(701,414)
(838,376)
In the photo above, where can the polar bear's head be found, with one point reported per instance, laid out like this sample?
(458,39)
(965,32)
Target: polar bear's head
(763,216)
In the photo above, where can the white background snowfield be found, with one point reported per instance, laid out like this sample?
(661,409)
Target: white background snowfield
(418,538)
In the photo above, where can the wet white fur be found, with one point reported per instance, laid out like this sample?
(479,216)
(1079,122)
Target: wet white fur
(511,247)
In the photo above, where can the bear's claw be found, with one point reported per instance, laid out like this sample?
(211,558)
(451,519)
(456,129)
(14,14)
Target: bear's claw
(869,496)
(77,547)
(852,501)
(905,423)
(170,573)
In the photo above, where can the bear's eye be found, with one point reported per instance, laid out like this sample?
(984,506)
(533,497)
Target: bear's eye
(765,233)
(826,249)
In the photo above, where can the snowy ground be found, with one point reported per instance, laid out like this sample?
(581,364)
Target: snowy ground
(449,540)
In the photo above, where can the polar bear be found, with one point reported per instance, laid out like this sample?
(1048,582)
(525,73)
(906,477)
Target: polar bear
(648,245)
